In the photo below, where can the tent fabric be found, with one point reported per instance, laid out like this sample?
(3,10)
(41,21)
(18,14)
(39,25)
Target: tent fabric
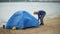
(21,19)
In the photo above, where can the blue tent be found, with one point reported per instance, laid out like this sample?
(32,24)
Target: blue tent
(21,19)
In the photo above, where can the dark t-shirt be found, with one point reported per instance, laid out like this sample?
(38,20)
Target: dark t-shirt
(40,13)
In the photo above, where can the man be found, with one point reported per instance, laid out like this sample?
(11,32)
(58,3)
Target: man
(41,15)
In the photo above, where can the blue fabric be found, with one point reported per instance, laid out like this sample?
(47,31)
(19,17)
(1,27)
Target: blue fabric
(21,19)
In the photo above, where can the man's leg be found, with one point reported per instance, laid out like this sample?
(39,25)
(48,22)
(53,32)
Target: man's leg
(38,20)
(42,17)
(41,20)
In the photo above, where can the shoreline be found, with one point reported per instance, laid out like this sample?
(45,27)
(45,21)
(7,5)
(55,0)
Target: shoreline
(51,26)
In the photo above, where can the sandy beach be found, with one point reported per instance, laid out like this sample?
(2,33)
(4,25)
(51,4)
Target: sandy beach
(51,26)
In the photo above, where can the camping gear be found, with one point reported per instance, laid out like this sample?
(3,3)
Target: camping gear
(14,28)
(21,19)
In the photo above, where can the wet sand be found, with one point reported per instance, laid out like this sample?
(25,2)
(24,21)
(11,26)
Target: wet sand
(52,26)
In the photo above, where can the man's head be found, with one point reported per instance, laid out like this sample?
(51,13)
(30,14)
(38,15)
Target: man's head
(35,12)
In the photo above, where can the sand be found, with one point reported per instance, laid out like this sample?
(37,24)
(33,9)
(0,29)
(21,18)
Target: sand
(51,26)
